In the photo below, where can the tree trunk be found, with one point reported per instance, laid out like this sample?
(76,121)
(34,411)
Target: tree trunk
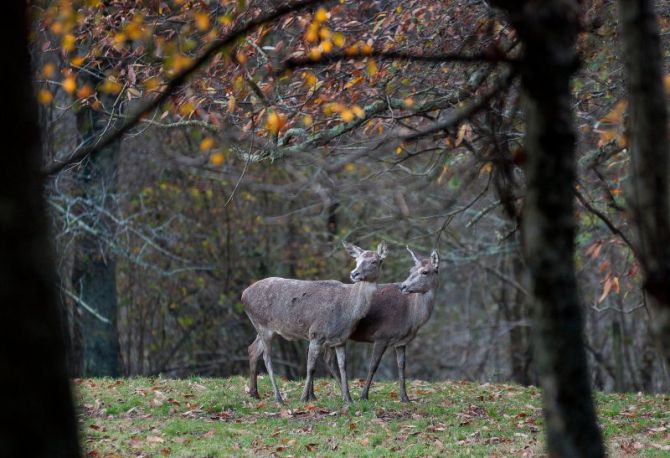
(35,391)
(520,345)
(94,273)
(648,194)
(548,30)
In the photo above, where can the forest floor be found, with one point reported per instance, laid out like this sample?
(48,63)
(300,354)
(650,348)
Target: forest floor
(198,417)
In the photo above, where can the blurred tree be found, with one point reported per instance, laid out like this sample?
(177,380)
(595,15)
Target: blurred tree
(649,192)
(36,398)
(548,31)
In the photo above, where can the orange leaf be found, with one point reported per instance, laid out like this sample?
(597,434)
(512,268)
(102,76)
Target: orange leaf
(44,96)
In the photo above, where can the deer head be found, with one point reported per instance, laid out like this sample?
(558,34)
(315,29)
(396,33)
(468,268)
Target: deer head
(368,263)
(423,275)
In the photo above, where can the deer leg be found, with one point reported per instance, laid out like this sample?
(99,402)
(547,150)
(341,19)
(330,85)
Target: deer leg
(312,355)
(255,351)
(267,348)
(328,359)
(400,358)
(377,352)
(341,354)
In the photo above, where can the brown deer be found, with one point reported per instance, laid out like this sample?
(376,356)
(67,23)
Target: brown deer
(323,312)
(397,313)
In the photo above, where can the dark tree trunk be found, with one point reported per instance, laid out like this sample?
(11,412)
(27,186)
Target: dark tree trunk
(94,273)
(548,30)
(649,194)
(520,345)
(35,391)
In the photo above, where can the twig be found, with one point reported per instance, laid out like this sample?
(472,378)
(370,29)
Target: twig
(86,307)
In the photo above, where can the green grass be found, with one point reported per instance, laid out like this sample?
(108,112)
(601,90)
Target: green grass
(214,417)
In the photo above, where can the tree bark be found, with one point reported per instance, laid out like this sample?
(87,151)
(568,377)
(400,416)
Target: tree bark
(520,345)
(548,30)
(94,273)
(649,192)
(35,392)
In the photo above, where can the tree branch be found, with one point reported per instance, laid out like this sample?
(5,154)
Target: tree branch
(216,47)
(306,61)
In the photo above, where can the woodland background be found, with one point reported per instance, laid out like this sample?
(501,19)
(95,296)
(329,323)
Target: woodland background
(306,132)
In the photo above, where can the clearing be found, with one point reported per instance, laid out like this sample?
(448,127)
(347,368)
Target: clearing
(199,417)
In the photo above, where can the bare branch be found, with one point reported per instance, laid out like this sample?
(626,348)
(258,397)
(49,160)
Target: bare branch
(306,61)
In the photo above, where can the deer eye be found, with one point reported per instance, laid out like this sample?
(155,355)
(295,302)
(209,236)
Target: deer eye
(424,272)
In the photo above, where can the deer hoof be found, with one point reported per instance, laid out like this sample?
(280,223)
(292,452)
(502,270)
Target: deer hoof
(254,394)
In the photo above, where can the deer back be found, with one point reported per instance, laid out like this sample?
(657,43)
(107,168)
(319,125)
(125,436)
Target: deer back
(297,308)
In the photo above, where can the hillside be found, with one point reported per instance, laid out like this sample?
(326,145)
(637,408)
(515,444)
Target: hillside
(214,417)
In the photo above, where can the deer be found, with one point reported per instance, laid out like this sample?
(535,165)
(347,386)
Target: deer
(324,312)
(397,313)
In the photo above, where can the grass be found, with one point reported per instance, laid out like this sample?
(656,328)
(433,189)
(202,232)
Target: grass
(214,417)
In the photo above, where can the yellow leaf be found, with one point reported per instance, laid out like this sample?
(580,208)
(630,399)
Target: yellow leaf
(486,168)
(372,67)
(275,122)
(202,20)
(398,150)
(307,120)
(666,83)
(347,115)
(338,39)
(325,33)
(48,70)
(207,143)
(69,84)
(77,61)
(226,20)
(315,53)
(352,50)
(68,42)
(312,33)
(186,108)
(151,84)
(408,102)
(231,104)
(44,96)
(358,111)
(326,46)
(119,38)
(321,15)
(84,91)
(110,86)
(366,49)
(353,82)
(241,57)
(310,78)
(350,167)
(217,159)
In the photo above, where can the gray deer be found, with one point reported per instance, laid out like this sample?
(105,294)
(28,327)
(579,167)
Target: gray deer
(397,313)
(323,312)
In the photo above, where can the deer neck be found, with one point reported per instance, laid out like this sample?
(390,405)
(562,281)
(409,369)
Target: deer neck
(362,298)
(422,304)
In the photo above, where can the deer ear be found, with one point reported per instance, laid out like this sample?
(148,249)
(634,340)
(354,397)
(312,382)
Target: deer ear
(352,249)
(414,256)
(435,259)
(382,250)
